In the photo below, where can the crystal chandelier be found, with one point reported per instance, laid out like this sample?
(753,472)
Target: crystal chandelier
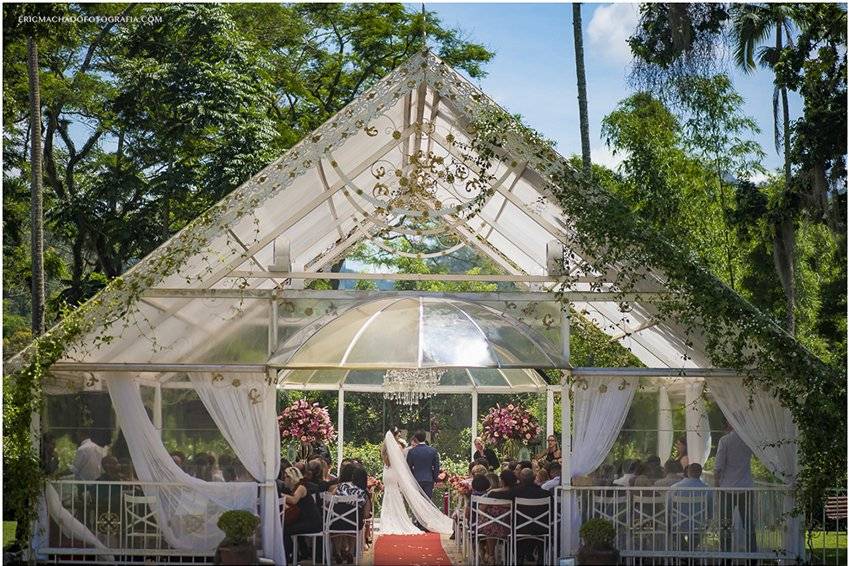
(409,386)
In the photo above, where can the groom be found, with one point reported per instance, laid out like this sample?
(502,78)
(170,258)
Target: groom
(424,463)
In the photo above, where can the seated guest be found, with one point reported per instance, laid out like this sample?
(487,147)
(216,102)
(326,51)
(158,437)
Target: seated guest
(480,486)
(553,450)
(226,465)
(511,465)
(604,475)
(672,473)
(641,477)
(343,545)
(494,480)
(497,530)
(527,489)
(691,513)
(654,470)
(541,477)
(317,469)
(523,465)
(481,452)
(309,517)
(630,467)
(554,475)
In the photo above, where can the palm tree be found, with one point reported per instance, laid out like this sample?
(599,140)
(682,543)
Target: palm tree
(582,90)
(36,213)
(752,25)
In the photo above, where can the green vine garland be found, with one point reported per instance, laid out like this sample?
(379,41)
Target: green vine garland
(737,335)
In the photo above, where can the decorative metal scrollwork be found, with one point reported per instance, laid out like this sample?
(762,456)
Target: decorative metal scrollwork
(108,523)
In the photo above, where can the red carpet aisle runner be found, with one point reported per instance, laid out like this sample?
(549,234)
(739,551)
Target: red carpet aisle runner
(410,550)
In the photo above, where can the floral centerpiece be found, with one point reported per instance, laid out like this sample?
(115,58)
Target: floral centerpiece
(307,424)
(459,484)
(509,427)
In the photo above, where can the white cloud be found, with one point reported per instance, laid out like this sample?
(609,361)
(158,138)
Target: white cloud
(608,31)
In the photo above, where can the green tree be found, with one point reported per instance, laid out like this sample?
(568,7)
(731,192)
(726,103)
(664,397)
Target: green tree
(581,83)
(752,24)
(718,133)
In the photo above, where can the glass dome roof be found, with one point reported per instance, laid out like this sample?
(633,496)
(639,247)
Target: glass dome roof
(454,378)
(418,332)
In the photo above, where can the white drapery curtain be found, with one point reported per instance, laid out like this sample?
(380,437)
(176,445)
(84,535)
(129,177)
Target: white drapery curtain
(768,429)
(698,429)
(186,508)
(665,425)
(50,507)
(244,410)
(600,407)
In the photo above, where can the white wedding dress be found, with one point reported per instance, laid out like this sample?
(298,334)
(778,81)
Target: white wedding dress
(400,486)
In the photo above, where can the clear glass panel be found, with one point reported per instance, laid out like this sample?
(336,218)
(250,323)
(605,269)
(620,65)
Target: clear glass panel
(488,378)
(456,377)
(365,377)
(330,343)
(450,338)
(393,334)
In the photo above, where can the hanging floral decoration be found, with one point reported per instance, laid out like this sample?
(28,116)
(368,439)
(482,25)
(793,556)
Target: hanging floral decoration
(510,423)
(306,423)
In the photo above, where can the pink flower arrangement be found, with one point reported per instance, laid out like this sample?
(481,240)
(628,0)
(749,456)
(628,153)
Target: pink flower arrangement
(306,423)
(509,423)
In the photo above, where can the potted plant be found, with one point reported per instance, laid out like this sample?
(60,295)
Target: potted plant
(597,547)
(238,544)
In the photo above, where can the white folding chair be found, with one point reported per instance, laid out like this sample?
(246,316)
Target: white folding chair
(140,522)
(688,519)
(347,523)
(532,515)
(484,516)
(649,520)
(612,505)
(319,535)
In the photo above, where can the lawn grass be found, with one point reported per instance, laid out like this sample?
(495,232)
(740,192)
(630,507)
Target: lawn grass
(829,547)
(8,532)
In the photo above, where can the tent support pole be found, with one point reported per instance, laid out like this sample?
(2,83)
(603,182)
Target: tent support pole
(157,408)
(550,412)
(340,416)
(473,426)
(566,459)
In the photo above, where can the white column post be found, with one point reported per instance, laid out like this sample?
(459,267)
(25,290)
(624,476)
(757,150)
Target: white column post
(566,459)
(157,408)
(340,417)
(473,427)
(269,489)
(272,327)
(550,412)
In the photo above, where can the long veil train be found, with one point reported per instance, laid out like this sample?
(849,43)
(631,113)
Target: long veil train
(399,483)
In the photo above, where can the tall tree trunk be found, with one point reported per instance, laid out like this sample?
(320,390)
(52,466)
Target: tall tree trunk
(784,248)
(582,90)
(36,212)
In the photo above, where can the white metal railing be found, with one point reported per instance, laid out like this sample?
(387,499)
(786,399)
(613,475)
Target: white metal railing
(121,516)
(826,536)
(720,524)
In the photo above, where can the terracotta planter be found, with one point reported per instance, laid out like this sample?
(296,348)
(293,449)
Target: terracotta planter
(236,555)
(597,557)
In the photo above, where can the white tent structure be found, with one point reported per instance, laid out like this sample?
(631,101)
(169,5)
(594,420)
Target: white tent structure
(222,308)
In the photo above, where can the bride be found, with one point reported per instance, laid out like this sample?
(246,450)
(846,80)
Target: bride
(399,485)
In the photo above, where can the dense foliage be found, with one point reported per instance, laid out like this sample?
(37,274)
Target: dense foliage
(148,121)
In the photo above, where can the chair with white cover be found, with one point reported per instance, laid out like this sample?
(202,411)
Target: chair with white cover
(344,522)
(314,537)
(492,512)
(140,522)
(532,519)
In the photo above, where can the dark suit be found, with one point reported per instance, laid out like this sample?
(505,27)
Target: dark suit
(424,462)
(527,548)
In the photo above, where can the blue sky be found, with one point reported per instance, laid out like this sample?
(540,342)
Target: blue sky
(533,72)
